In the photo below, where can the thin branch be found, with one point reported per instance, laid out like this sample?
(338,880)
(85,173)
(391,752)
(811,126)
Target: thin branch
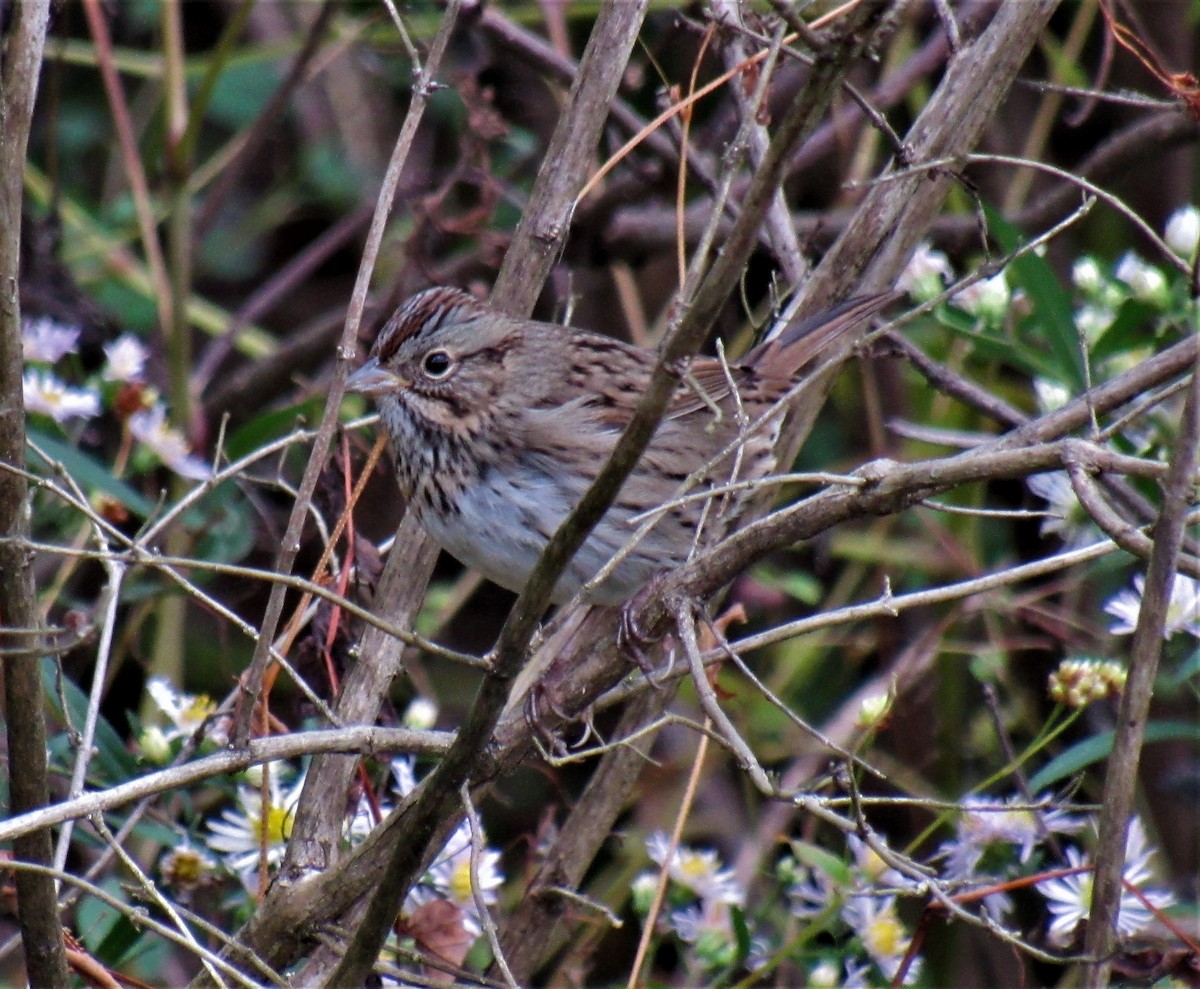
(346,353)
(366,741)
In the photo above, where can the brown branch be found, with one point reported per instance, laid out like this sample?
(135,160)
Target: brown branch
(252,681)
(1145,650)
(24,710)
(535,246)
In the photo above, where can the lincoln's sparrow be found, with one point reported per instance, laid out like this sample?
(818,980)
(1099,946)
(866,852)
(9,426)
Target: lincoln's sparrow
(500,424)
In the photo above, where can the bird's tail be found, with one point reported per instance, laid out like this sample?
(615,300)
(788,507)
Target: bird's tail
(785,353)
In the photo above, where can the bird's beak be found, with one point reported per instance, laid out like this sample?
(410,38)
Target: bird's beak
(371,379)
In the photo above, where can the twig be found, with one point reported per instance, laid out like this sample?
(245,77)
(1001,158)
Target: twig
(346,352)
(367,741)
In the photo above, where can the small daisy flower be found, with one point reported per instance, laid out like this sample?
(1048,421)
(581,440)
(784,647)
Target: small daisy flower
(126,359)
(1085,274)
(44,393)
(926,273)
(1183,231)
(883,935)
(1069,898)
(987,826)
(707,928)
(1093,321)
(167,443)
(1067,518)
(46,341)
(1079,682)
(698,870)
(1050,394)
(421,714)
(449,878)
(810,891)
(239,833)
(186,712)
(987,298)
(986,822)
(1183,608)
(186,868)
(1145,281)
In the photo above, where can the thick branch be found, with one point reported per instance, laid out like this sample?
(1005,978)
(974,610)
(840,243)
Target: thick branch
(1120,779)
(41,932)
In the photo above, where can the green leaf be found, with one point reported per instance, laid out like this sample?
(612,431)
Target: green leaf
(1098,747)
(1128,330)
(1052,320)
(89,473)
(818,858)
(241,91)
(112,763)
(991,346)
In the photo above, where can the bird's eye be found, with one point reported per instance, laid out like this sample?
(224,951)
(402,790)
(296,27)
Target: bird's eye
(437,364)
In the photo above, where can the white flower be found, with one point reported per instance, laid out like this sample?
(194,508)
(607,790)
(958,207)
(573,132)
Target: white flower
(421,714)
(1183,608)
(642,891)
(1144,280)
(987,298)
(187,712)
(1050,394)
(708,929)
(1093,321)
(167,443)
(926,273)
(1183,231)
(1069,898)
(44,393)
(811,892)
(126,359)
(1066,516)
(239,833)
(825,975)
(1085,273)
(985,822)
(697,869)
(449,878)
(875,921)
(45,340)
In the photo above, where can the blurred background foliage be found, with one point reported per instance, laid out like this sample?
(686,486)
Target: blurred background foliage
(289,113)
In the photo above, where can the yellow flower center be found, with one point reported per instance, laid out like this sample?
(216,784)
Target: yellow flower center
(460,881)
(885,936)
(278,825)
